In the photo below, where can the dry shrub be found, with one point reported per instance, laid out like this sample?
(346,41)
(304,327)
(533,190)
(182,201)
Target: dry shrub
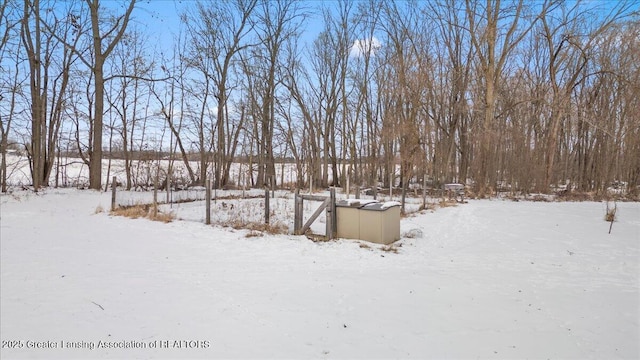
(268,228)
(162,217)
(254,233)
(541,198)
(143,211)
(414,234)
(428,206)
(289,185)
(447,203)
(390,248)
(512,197)
(577,196)
(480,194)
(237,197)
(610,215)
(239,224)
(407,214)
(133,211)
(470,194)
(317,237)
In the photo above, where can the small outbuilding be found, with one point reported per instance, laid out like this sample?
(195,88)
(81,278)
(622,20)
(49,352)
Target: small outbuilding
(368,220)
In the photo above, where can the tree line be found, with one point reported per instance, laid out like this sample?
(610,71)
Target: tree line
(495,94)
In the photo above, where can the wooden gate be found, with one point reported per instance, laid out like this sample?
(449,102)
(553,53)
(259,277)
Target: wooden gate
(328,204)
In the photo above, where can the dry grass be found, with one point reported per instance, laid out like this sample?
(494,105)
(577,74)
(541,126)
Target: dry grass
(413,234)
(132,212)
(145,211)
(392,248)
(162,217)
(255,227)
(99,209)
(428,206)
(238,197)
(541,198)
(610,215)
(317,237)
(578,196)
(267,228)
(248,216)
(447,203)
(254,233)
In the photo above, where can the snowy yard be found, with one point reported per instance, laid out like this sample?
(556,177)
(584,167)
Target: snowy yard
(487,279)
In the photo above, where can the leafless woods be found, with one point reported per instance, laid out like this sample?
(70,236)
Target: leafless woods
(495,94)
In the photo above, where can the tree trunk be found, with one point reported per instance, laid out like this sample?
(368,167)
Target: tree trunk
(100,55)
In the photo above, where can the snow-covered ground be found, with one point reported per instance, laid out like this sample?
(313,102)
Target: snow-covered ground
(487,279)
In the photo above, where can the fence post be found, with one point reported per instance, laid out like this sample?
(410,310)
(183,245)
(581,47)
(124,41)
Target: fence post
(168,184)
(348,173)
(207,192)
(391,173)
(330,213)
(424,191)
(328,225)
(266,205)
(113,194)
(273,186)
(334,217)
(155,196)
(298,208)
(244,184)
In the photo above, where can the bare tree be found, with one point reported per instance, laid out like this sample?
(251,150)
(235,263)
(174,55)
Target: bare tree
(331,62)
(307,147)
(449,99)
(48,41)
(506,93)
(407,62)
(569,54)
(129,61)
(277,21)
(9,86)
(495,31)
(294,130)
(172,96)
(628,79)
(218,33)
(104,41)
(365,132)
(32,41)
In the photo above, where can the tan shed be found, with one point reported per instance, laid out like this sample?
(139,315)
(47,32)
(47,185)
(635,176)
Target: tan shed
(374,222)
(348,221)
